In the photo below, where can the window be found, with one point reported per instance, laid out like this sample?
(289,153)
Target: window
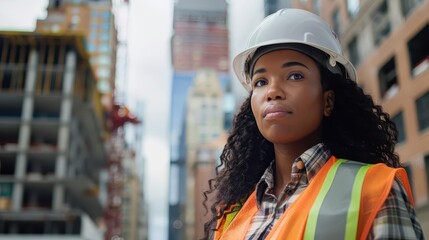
(104,48)
(57,52)
(354,51)
(381,23)
(104,41)
(6,190)
(76,10)
(92,36)
(284,4)
(203,137)
(94,17)
(270,7)
(105,25)
(93,26)
(103,86)
(316,6)
(352,7)
(57,3)
(426,160)
(37,198)
(408,5)
(418,48)
(409,171)
(387,79)
(105,31)
(336,21)
(398,119)
(104,36)
(90,47)
(103,72)
(422,107)
(103,60)
(75,19)
(105,15)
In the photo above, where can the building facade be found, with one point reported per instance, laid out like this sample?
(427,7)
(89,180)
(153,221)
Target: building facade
(51,135)
(204,124)
(103,23)
(208,158)
(200,36)
(95,20)
(387,42)
(199,42)
(131,207)
(135,209)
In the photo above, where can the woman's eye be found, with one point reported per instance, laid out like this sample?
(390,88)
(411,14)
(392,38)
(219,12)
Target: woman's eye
(260,83)
(296,76)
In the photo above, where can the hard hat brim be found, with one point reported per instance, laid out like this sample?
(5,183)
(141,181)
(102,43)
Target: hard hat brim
(241,61)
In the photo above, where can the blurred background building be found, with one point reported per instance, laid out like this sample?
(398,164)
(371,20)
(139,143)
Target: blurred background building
(202,103)
(65,166)
(95,20)
(388,42)
(52,129)
(204,124)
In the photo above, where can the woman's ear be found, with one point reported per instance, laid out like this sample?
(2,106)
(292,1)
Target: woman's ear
(329,99)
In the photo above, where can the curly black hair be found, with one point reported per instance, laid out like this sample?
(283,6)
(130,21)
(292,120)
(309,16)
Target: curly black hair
(358,130)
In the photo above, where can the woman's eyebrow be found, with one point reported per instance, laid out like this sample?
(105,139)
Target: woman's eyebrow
(291,64)
(260,70)
(288,64)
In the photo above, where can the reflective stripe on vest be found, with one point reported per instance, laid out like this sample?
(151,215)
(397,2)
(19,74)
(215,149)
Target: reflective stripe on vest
(359,213)
(335,212)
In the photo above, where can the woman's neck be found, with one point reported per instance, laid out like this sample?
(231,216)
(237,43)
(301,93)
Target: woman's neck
(285,156)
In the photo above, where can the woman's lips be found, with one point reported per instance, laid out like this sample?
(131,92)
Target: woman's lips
(275,111)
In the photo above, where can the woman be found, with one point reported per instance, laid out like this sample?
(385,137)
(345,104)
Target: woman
(284,173)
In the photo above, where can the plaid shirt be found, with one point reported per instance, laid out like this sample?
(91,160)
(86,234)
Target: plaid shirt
(395,220)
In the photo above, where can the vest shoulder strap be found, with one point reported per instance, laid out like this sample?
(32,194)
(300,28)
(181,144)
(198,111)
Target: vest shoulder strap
(234,225)
(376,188)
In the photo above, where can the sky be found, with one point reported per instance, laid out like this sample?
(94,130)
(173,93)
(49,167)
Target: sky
(26,19)
(150,78)
(149,33)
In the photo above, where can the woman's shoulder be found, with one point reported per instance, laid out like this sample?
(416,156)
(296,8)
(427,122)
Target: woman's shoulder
(398,215)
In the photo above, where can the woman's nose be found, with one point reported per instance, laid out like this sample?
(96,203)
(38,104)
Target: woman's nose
(275,92)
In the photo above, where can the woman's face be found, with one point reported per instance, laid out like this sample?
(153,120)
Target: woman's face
(288,101)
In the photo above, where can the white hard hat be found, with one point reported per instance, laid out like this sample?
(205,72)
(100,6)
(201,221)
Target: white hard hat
(298,30)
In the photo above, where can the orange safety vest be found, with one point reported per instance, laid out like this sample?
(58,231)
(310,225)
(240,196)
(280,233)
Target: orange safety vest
(300,219)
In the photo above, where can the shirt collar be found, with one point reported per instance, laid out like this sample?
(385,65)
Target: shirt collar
(313,158)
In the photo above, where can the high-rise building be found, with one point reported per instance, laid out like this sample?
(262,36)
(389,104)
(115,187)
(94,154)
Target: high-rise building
(204,124)
(131,212)
(208,157)
(200,41)
(134,209)
(51,139)
(95,20)
(200,37)
(386,40)
(103,23)
(134,217)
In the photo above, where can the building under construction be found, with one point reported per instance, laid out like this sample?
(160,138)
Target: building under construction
(51,138)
